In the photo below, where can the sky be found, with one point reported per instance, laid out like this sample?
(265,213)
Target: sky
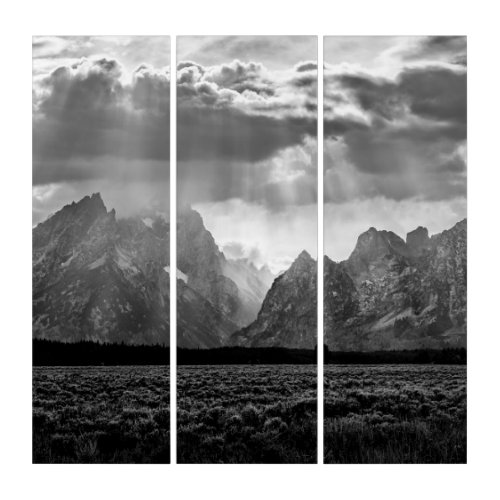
(246,143)
(101,122)
(395,134)
(395,148)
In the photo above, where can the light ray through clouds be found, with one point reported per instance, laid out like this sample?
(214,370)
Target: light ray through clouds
(247,148)
(395,136)
(101,118)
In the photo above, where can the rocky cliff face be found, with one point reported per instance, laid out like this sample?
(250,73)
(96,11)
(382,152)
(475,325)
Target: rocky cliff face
(101,279)
(288,317)
(200,325)
(219,295)
(396,294)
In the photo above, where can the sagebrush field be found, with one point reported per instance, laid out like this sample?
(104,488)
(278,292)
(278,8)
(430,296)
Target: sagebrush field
(246,414)
(395,414)
(94,414)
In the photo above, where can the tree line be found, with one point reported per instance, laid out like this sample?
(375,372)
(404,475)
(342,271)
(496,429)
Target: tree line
(54,353)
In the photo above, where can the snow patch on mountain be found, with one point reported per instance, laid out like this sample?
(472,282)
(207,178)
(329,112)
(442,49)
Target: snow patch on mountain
(180,275)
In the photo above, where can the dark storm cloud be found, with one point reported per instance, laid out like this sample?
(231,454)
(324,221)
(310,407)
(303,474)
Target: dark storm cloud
(339,126)
(245,132)
(398,138)
(306,66)
(433,92)
(254,182)
(450,48)
(229,134)
(236,111)
(436,93)
(85,112)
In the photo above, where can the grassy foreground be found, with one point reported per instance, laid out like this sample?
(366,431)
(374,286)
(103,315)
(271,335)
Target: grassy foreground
(395,414)
(94,414)
(247,414)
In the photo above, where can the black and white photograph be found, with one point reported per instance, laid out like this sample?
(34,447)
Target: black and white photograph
(395,244)
(321,321)
(246,249)
(100,243)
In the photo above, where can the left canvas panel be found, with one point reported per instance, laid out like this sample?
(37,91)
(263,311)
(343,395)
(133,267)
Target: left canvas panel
(100,236)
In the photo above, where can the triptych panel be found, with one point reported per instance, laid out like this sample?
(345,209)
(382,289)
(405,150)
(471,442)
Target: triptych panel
(395,232)
(246,228)
(246,249)
(101,323)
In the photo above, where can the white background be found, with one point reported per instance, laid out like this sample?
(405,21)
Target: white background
(479,21)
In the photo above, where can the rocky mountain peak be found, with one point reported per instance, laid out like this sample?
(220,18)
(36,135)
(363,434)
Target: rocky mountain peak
(71,223)
(374,251)
(96,278)
(304,259)
(191,219)
(392,294)
(287,317)
(303,265)
(418,240)
(92,203)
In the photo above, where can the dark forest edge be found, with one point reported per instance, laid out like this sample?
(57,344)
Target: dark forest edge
(87,353)
(53,353)
(452,356)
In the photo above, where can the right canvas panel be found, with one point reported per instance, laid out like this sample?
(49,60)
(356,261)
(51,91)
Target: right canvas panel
(395,233)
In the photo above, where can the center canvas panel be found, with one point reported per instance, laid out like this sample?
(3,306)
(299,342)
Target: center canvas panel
(246,249)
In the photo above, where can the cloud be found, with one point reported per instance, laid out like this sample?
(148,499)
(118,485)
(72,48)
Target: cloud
(448,48)
(248,87)
(436,93)
(275,52)
(235,124)
(306,66)
(85,115)
(399,138)
(287,178)
(128,197)
(132,51)
(345,222)
(278,236)
(236,250)
(100,123)
(240,111)
(229,134)
(395,136)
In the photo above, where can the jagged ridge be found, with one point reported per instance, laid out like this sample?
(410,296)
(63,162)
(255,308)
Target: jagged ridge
(396,294)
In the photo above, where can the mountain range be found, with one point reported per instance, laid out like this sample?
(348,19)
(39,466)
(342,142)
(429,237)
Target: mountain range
(101,278)
(216,296)
(97,277)
(396,294)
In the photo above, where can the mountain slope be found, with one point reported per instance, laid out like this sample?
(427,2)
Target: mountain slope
(396,294)
(219,295)
(288,317)
(97,278)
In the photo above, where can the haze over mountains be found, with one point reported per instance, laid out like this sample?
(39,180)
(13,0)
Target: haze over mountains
(101,278)
(219,295)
